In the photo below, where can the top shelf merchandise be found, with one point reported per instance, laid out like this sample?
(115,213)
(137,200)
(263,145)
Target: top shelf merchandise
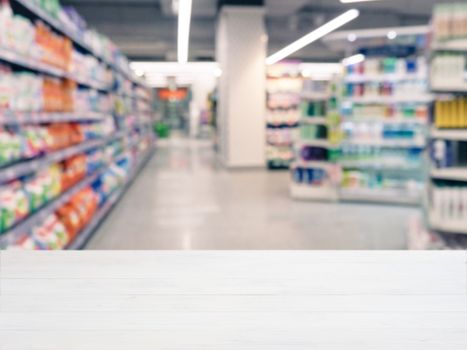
(284,84)
(384,121)
(67,148)
(447,191)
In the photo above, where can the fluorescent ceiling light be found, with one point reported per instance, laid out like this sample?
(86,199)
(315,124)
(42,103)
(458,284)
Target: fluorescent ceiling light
(313,36)
(355,59)
(174,68)
(184,19)
(353,1)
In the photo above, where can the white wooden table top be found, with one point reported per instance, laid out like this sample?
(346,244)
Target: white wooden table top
(233,300)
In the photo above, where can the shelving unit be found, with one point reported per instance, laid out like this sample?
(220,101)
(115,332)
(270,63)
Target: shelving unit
(385,113)
(314,175)
(91,139)
(283,86)
(446,203)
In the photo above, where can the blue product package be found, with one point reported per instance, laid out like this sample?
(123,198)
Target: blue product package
(449,154)
(298,175)
(305,176)
(311,176)
(411,65)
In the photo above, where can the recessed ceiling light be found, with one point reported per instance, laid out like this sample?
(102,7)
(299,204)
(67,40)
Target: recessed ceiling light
(352,37)
(139,73)
(392,34)
(311,37)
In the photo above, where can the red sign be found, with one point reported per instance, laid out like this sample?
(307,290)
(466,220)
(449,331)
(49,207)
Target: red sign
(167,94)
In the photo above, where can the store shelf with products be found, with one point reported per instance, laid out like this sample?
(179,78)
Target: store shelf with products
(26,167)
(68,23)
(112,200)
(63,125)
(26,227)
(446,205)
(314,173)
(283,86)
(385,114)
(8,117)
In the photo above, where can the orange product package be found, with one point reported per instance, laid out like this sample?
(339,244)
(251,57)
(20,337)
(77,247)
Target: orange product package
(69,216)
(74,169)
(76,133)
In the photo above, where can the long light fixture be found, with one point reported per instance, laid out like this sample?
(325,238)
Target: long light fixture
(184,19)
(313,36)
(355,59)
(353,1)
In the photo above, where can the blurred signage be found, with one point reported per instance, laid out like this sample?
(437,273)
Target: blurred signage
(169,94)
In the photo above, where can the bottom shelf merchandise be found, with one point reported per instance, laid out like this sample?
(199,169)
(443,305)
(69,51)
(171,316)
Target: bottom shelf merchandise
(314,182)
(21,198)
(388,185)
(62,227)
(279,157)
(448,206)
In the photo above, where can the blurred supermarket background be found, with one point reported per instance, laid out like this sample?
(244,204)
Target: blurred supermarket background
(178,124)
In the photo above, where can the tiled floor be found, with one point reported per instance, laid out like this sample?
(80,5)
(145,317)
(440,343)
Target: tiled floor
(184,200)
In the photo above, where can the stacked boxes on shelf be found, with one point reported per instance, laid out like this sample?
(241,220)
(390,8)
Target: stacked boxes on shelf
(447,190)
(67,149)
(314,172)
(284,84)
(384,120)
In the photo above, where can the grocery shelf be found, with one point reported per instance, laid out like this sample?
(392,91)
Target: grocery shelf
(9,56)
(47,209)
(443,88)
(447,227)
(304,192)
(379,164)
(273,125)
(449,134)
(362,78)
(8,117)
(311,96)
(279,144)
(313,164)
(29,63)
(454,174)
(92,84)
(75,37)
(316,143)
(385,120)
(459,45)
(386,143)
(85,235)
(390,99)
(389,196)
(27,167)
(314,120)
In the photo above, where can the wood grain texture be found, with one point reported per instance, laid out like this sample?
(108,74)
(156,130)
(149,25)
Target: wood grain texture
(233,300)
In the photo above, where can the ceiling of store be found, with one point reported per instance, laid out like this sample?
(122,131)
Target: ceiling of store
(147,29)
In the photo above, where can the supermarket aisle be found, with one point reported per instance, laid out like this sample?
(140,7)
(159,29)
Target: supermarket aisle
(184,200)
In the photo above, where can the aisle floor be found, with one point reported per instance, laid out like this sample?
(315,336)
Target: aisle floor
(183,199)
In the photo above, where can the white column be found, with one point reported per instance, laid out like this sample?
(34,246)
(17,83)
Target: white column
(241,53)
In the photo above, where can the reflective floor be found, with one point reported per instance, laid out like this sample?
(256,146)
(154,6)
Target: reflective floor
(185,200)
